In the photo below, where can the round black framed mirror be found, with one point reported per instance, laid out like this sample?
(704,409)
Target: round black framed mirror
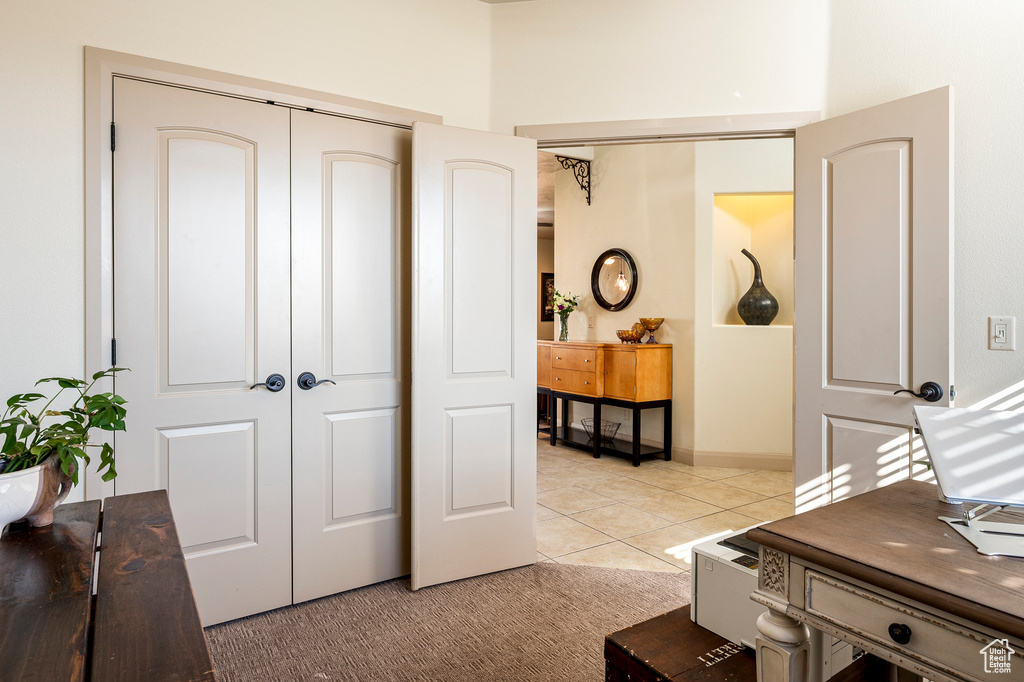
(614,279)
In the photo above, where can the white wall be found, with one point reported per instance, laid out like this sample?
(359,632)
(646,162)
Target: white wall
(561,61)
(428,55)
(642,201)
(545,263)
(743,375)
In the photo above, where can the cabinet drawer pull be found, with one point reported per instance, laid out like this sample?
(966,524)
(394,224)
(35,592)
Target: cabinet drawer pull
(586,360)
(586,383)
(900,633)
(557,358)
(558,378)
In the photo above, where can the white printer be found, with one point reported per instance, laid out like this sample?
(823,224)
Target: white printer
(723,574)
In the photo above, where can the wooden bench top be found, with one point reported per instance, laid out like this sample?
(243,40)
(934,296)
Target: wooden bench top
(145,625)
(46,595)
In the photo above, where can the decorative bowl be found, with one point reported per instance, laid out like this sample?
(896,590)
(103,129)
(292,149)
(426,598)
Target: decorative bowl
(630,335)
(651,324)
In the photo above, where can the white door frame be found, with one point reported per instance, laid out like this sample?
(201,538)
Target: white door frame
(100,68)
(696,129)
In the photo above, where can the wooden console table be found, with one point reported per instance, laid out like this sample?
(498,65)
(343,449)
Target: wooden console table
(142,624)
(633,376)
(881,571)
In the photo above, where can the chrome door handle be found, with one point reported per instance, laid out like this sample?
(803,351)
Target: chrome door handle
(307,380)
(274,383)
(930,391)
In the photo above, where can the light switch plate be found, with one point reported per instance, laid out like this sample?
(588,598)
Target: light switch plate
(1002,332)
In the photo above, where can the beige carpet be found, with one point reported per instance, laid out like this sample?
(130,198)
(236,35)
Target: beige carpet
(545,622)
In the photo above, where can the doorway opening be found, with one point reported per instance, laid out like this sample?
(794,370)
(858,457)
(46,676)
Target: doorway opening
(679,208)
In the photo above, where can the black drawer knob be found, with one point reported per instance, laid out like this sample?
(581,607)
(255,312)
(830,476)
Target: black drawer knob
(900,633)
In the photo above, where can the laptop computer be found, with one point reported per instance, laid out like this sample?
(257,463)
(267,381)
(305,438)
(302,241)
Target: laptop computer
(977,455)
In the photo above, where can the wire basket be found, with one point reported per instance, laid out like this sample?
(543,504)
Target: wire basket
(608,429)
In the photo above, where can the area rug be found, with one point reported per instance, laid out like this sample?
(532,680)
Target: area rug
(542,622)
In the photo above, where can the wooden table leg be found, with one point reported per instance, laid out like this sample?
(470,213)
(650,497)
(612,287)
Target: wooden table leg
(668,431)
(636,436)
(565,418)
(782,648)
(553,417)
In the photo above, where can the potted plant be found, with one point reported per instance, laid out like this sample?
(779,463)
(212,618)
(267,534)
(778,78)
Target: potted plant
(40,447)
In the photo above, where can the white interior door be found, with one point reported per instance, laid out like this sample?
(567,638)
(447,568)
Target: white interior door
(874,284)
(201,212)
(350,443)
(474,353)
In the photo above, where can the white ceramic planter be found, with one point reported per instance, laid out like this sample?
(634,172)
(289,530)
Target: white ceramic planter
(20,492)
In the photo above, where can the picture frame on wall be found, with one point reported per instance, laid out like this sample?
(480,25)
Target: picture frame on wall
(547,296)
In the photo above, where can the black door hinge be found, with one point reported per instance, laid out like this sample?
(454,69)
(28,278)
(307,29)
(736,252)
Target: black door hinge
(111,136)
(113,352)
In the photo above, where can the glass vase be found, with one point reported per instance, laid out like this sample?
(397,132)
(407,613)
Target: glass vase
(563,326)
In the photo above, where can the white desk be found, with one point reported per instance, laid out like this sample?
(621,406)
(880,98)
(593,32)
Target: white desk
(881,571)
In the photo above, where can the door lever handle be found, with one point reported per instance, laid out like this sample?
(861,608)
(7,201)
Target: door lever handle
(930,391)
(307,380)
(274,383)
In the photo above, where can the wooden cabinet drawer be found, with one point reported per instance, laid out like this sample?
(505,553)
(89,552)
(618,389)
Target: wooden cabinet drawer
(581,359)
(571,381)
(950,647)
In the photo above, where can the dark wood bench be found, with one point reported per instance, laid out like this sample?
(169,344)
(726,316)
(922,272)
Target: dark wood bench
(142,623)
(672,648)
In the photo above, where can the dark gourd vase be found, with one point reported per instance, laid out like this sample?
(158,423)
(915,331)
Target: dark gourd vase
(757,306)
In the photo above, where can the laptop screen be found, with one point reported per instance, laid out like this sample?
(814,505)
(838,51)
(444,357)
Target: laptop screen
(977,455)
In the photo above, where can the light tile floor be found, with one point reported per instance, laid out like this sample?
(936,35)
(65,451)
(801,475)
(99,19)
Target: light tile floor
(606,512)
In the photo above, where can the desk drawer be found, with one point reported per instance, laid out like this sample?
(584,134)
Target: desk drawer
(581,359)
(570,381)
(943,644)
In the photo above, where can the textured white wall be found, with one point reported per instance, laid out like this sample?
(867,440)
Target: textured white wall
(643,203)
(561,61)
(743,376)
(429,55)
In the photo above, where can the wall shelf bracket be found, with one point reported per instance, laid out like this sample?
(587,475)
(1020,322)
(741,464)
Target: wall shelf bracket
(579,168)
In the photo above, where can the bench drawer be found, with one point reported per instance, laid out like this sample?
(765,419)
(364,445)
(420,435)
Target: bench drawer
(581,359)
(570,381)
(934,641)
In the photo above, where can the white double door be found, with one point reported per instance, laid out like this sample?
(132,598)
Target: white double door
(253,240)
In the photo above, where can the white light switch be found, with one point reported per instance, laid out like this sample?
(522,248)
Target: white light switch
(1002,334)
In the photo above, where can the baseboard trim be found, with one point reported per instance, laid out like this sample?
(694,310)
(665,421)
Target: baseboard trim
(772,461)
